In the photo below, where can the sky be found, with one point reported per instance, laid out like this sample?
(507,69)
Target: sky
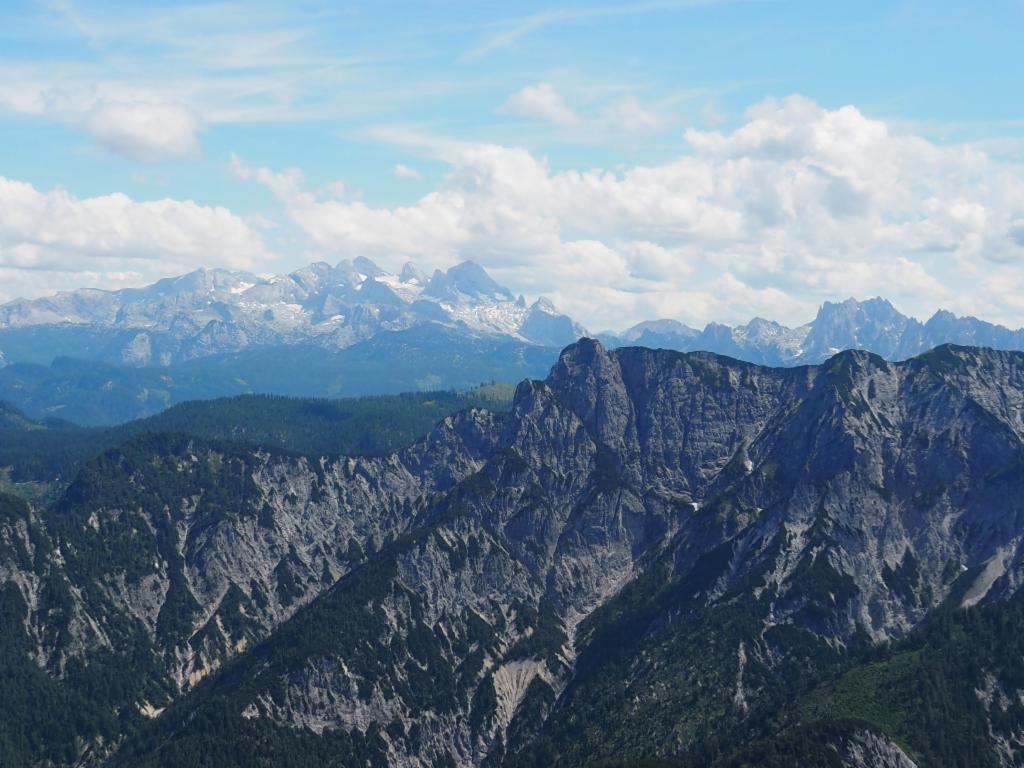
(701,161)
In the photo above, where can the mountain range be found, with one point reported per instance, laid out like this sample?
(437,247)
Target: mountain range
(217,311)
(651,556)
(874,325)
(104,357)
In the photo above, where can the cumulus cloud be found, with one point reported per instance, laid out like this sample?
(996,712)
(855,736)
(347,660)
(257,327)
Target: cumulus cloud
(138,123)
(54,240)
(797,205)
(144,131)
(543,102)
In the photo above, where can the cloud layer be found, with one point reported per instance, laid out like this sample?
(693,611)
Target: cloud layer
(52,241)
(797,205)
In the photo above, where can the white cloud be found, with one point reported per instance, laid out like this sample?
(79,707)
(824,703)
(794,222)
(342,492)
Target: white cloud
(144,131)
(541,101)
(54,240)
(797,205)
(513,30)
(405,172)
(629,116)
(608,120)
(142,79)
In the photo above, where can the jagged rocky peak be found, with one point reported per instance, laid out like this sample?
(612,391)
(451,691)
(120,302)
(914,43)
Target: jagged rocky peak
(941,318)
(717,337)
(590,380)
(349,273)
(583,355)
(200,281)
(678,539)
(412,274)
(314,277)
(367,267)
(761,327)
(946,326)
(544,324)
(660,329)
(466,280)
(873,324)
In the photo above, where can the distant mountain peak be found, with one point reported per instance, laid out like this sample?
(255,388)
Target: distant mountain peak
(544,324)
(467,279)
(873,324)
(367,267)
(214,311)
(412,274)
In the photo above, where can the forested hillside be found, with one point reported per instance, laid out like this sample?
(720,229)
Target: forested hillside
(649,558)
(38,458)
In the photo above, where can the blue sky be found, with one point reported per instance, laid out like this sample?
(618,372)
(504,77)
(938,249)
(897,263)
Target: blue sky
(570,148)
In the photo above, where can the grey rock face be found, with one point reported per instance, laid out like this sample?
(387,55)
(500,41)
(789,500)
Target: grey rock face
(453,577)
(868,750)
(543,324)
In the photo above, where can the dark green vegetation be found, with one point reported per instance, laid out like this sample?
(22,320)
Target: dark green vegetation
(735,541)
(37,459)
(427,358)
(668,695)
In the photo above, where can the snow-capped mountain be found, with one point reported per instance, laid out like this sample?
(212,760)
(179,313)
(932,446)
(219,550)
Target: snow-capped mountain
(874,325)
(213,311)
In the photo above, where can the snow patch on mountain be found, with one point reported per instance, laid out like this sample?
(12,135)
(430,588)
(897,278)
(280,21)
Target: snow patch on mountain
(212,311)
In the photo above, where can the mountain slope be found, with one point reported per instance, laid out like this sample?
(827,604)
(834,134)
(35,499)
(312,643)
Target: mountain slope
(651,555)
(425,358)
(39,459)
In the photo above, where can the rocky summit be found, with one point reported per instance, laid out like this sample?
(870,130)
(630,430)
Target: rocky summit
(217,311)
(652,556)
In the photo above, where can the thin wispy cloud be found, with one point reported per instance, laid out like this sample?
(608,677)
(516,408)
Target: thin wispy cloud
(150,77)
(513,30)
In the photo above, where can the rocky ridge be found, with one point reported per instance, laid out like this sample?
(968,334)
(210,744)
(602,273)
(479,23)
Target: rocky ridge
(465,601)
(218,311)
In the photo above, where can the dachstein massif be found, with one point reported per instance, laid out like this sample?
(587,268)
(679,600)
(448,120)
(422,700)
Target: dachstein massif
(102,357)
(651,557)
